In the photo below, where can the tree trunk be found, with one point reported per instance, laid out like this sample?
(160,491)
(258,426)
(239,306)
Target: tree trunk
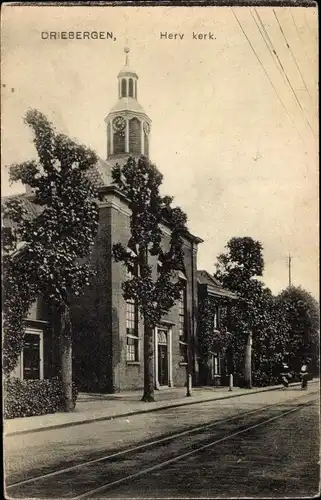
(65,345)
(188,381)
(148,395)
(248,362)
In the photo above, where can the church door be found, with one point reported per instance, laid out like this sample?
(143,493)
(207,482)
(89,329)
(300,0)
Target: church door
(162,355)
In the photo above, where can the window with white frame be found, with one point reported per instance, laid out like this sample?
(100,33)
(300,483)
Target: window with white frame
(216,318)
(132,346)
(216,363)
(182,326)
(132,335)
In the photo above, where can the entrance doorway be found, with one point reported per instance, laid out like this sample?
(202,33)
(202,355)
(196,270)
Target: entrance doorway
(162,356)
(163,364)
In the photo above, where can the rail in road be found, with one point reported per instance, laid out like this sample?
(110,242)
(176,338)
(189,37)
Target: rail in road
(94,477)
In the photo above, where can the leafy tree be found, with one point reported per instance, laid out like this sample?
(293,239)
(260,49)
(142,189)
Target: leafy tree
(242,261)
(270,340)
(256,313)
(140,182)
(303,318)
(56,242)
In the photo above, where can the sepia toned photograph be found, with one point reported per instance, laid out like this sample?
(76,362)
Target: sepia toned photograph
(160,250)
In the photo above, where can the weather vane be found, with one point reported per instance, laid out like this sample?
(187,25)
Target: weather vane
(126,50)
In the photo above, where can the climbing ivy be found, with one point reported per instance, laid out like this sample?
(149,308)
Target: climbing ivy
(210,337)
(46,254)
(140,181)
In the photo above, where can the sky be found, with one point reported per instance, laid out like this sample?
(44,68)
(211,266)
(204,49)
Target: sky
(234,118)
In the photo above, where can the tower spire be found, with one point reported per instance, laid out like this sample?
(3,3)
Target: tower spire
(126,50)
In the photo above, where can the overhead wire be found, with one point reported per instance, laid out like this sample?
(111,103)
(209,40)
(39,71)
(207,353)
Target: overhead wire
(307,25)
(268,77)
(276,64)
(300,38)
(285,73)
(272,52)
(293,57)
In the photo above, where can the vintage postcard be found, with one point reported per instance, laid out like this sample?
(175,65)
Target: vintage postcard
(160,250)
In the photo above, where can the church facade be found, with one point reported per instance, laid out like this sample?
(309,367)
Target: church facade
(108,342)
(107,329)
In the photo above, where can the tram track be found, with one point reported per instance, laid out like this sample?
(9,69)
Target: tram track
(89,477)
(92,493)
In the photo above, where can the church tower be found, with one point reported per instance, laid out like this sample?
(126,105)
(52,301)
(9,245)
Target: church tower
(128,126)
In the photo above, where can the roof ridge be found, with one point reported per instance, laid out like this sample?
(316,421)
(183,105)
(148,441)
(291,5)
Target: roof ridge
(214,280)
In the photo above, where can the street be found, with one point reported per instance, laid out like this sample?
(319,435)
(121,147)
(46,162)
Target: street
(259,445)
(279,460)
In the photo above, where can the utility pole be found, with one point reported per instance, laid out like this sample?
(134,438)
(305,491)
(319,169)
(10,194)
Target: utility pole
(290,258)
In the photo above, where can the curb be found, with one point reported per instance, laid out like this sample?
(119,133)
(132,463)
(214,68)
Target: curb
(139,412)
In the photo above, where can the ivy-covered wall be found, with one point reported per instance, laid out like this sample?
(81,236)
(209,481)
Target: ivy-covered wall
(212,336)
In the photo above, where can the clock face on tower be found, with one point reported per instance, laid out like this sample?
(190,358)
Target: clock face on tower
(119,124)
(146,128)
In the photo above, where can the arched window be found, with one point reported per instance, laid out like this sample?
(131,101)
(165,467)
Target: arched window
(161,336)
(135,89)
(131,88)
(135,136)
(119,142)
(146,144)
(123,88)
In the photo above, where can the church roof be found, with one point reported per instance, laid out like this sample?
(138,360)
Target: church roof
(127,104)
(100,174)
(32,210)
(30,207)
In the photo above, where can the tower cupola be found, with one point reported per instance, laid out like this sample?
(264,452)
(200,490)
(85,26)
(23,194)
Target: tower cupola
(128,126)
(127,80)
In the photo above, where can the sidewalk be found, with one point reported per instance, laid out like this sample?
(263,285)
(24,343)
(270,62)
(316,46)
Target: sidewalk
(96,407)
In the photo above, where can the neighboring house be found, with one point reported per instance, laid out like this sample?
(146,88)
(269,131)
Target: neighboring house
(215,369)
(35,360)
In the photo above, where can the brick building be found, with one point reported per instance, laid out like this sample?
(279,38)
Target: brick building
(218,365)
(107,330)
(108,333)
(108,344)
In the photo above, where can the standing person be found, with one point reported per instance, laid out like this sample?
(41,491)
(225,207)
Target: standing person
(304,376)
(285,375)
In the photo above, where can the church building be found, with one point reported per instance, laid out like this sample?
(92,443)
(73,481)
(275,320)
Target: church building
(108,343)
(107,329)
